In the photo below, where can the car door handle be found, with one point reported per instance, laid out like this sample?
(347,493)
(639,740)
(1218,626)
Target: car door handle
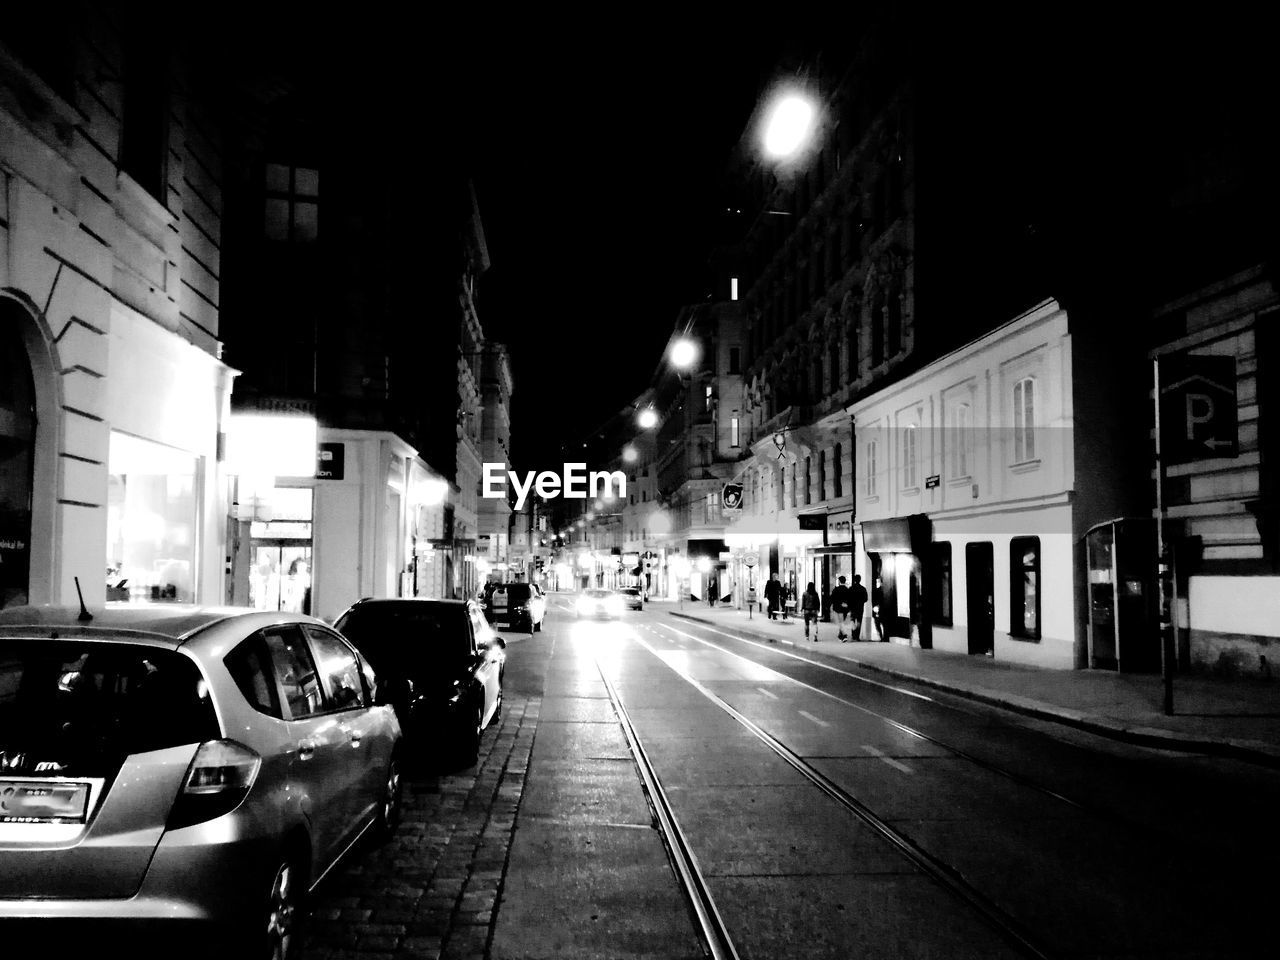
(306,749)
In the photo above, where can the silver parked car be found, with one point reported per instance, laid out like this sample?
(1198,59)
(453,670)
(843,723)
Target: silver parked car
(173,764)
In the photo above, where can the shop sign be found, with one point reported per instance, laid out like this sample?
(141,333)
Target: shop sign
(1199,409)
(840,527)
(813,521)
(931,482)
(331,461)
(731,496)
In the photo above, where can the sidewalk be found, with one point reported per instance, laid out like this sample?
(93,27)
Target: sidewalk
(1232,718)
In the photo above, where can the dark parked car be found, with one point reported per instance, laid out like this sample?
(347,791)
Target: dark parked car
(441,665)
(633,597)
(189,772)
(516,605)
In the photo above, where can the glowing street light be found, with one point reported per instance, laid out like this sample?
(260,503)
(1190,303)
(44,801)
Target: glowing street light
(629,454)
(788,126)
(684,353)
(647,418)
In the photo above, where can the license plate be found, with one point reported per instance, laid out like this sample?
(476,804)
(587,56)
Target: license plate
(29,801)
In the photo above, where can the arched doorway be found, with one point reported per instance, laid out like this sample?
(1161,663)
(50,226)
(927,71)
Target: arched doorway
(17,458)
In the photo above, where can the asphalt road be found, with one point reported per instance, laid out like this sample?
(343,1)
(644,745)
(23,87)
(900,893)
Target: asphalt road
(835,815)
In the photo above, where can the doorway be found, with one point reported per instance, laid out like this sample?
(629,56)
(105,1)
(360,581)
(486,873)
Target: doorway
(17,452)
(281,576)
(979,563)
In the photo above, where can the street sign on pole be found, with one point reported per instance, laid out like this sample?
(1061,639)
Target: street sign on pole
(1198,408)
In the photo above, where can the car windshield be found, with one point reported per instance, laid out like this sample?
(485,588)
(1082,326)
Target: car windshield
(633,591)
(78,708)
(413,635)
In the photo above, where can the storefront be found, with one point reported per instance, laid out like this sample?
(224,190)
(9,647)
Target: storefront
(894,550)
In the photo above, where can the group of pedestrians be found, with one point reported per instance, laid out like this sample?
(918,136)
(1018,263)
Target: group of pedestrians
(848,604)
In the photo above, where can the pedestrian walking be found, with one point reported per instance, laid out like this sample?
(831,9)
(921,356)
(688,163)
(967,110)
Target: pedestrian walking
(857,604)
(810,606)
(841,606)
(877,603)
(773,596)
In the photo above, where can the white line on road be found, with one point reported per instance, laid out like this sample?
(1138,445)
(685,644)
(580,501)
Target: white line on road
(795,656)
(809,716)
(768,693)
(897,765)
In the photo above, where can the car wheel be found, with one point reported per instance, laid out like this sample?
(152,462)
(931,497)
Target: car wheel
(392,804)
(469,749)
(284,913)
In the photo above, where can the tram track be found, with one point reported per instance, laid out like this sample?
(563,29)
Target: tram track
(1098,813)
(942,873)
(711,926)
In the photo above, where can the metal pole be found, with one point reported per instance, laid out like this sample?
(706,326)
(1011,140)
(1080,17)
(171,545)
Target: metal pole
(1166,626)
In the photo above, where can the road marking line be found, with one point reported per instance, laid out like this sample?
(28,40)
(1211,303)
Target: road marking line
(771,696)
(796,656)
(810,716)
(889,760)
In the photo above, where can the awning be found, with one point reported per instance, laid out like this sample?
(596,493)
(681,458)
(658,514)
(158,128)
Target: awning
(707,548)
(898,535)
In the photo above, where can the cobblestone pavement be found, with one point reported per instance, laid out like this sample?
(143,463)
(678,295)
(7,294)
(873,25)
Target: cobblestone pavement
(432,890)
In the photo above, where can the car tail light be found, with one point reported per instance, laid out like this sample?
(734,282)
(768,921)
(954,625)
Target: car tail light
(220,775)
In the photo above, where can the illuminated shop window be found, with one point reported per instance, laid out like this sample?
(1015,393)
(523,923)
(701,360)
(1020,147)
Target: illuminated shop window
(151,521)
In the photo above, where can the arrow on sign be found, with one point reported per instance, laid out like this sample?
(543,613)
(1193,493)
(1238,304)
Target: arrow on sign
(1215,444)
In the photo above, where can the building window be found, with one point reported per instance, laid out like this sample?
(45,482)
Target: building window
(834,356)
(940,582)
(877,331)
(960,436)
(872,453)
(1024,587)
(152,521)
(852,362)
(733,432)
(794,471)
(144,132)
(708,396)
(822,475)
(733,288)
(735,360)
(1024,420)
(895,322)
(292,204)
(644,496)
(808,481)
(909,478)
(839,461)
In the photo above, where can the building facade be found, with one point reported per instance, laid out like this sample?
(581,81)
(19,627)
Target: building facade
(980,482)
(113,394)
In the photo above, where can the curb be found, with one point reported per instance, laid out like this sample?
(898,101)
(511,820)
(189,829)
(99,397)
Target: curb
(1249,751)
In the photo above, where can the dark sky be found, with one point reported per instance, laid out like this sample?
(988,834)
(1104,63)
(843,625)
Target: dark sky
(596,170)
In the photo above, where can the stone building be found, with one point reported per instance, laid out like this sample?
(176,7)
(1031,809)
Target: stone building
(113,393)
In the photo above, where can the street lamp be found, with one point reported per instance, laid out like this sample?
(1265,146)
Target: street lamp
(629,454)
(684,353)
(788,125)
(647,418)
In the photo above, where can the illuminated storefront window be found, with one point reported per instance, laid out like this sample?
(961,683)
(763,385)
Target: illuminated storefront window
(280,578)
(151,521)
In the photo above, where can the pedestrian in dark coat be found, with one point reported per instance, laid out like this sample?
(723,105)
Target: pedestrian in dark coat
(840,606)
(773,596)
(810,607)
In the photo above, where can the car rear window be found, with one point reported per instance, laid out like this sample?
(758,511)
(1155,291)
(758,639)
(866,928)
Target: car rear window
(414,636)
(517,592)
(78,708)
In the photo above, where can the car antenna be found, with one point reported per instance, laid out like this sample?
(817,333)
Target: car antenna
(85,615)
